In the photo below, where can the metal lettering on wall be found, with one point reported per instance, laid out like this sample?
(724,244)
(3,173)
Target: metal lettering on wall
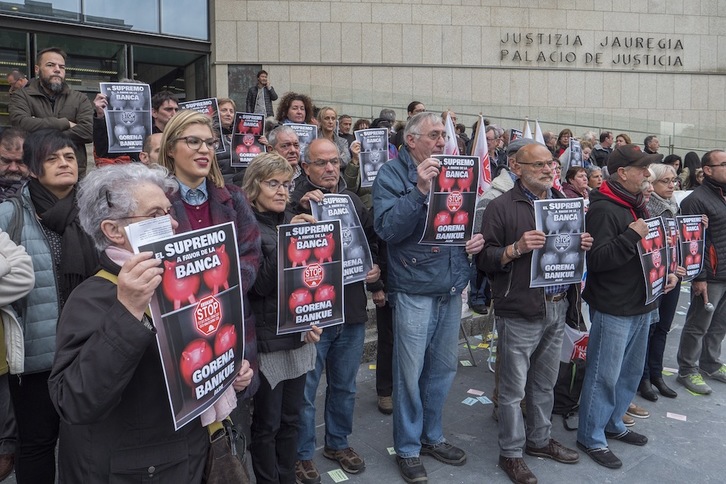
(540,49)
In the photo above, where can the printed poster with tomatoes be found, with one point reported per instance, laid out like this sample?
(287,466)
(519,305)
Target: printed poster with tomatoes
(248,128)
(654,259)
(452,201)
(691,237)
(671,230)
(310,276)
(373,153)
(128,115)
(208,107)
(306,133)
(357,260)
(561,260)
(197,311)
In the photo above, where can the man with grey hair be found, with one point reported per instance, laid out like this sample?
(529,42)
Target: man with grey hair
(284,141)
(49,103)
(16,80)
(424,286)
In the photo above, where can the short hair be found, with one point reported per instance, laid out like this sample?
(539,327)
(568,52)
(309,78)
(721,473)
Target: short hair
(9,134)
(306,155)
(287,100)
(53,50)
(227,100)
(173,132)
(706,159)
(344,116)
(605,135)
(591,171)
(627,139)
(261,168)
(160,98)
(648,139)
(461,127)
(16,74)
(275,133)
(412,105)
(147,144)
(260,72)
(40,144)
(585,144)
(573,171)
(660,170)
(416,121)
(107,193)
(566,131)
(360,122)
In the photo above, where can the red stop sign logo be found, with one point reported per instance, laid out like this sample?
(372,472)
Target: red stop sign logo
(454,201)
(208,315)
(313,275)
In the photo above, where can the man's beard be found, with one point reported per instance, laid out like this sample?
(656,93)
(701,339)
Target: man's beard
(13,177)
(52,87)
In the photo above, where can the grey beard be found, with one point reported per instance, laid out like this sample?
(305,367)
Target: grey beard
(51,87)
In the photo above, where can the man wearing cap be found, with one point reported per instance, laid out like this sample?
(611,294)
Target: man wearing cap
(616,292)
(529,320)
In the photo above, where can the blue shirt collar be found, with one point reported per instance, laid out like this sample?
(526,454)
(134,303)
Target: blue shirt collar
(194,196)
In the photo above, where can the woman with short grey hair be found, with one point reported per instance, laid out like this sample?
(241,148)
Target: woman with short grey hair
(108,194)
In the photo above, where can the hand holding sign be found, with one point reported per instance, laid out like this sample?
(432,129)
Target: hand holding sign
(139,277)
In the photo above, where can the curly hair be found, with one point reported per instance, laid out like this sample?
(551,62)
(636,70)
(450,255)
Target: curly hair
(287,100)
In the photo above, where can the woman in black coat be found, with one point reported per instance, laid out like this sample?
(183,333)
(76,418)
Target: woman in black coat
(284,359)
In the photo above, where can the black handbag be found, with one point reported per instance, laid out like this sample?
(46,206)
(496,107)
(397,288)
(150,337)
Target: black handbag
(223,464)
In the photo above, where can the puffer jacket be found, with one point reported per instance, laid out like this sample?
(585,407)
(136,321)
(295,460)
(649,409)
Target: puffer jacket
(709,199)
(399,209)
(16,280)
(39,310)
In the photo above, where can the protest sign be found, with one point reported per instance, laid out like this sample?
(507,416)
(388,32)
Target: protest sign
(128,115)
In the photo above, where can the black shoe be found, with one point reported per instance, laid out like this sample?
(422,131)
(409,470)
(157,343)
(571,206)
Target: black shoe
(629,437)
(445,452)
(479,308)
(602,456)
(411,469)
(646,391)
(664,389)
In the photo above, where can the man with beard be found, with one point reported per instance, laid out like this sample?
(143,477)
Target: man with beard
(529,320)
(260,96)
(13,172)
(47,102)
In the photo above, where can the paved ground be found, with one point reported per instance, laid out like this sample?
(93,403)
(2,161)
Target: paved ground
(678,451)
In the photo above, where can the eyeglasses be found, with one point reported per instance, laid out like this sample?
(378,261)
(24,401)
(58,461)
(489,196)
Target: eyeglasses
(667,181)
(538,165)
(195,143)
(324,163)
(718,164)
(156,214)
(433,135)
(275,185)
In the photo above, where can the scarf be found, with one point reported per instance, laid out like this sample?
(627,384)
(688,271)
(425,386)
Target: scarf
(79,257)
(618,194)
(657,206)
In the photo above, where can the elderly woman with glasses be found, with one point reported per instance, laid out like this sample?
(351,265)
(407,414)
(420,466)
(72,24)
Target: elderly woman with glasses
(203,200)
(661,204)
(284,359)
(44,219)
(107,380)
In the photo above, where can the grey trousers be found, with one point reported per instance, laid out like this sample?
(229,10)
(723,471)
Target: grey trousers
(703,333)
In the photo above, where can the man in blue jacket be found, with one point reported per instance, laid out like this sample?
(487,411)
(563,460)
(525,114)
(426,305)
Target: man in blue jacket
(425,284)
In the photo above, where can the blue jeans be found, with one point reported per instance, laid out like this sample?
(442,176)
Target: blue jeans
(425,353)
(615,359)
(529,358)
(339,352)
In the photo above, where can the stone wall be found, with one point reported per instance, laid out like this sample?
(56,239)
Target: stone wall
(641,66)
